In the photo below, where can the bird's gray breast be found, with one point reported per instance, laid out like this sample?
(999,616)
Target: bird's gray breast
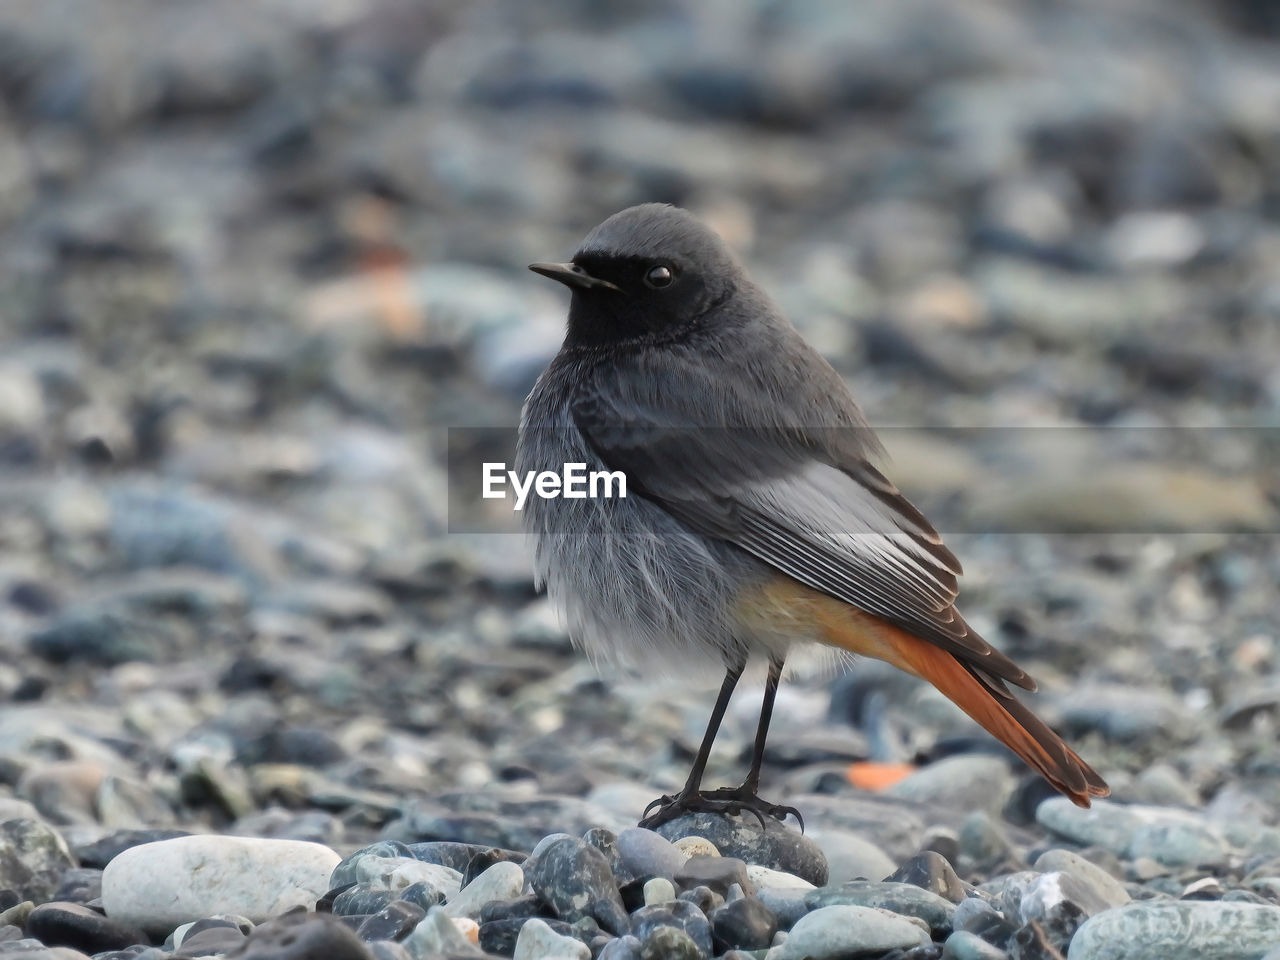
(634,584)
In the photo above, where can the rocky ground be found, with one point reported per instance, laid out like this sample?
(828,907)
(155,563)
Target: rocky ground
(259,258)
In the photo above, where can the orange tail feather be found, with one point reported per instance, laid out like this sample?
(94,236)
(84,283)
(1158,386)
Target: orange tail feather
(984,698)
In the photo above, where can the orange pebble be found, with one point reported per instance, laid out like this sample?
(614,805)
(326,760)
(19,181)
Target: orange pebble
(468,928)
(877,776)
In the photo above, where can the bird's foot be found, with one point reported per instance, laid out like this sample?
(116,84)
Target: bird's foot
(728,800)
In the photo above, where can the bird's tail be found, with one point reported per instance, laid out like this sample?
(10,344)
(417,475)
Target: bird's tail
(982,697)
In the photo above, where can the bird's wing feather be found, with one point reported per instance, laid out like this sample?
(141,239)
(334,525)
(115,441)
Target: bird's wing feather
(803,499)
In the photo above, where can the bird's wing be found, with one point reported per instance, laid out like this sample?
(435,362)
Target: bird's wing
(803,499)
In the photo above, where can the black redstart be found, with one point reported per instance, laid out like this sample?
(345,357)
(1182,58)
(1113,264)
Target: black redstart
(754,518)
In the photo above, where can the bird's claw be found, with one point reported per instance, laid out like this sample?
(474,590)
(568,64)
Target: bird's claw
(727,800)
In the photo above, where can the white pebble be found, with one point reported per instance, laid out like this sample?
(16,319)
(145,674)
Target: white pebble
(501,881)
(659,890)
(159,885)
(696,846)
(762,877)
(537,941)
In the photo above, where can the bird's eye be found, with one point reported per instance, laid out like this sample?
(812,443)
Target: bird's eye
(659,276)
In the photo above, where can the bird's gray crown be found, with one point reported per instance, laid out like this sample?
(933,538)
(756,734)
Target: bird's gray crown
(658,231)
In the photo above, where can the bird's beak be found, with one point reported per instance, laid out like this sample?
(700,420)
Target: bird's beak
(571,275)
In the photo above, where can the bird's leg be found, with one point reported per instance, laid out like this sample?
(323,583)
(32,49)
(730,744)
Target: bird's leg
(685,801)
(746,797)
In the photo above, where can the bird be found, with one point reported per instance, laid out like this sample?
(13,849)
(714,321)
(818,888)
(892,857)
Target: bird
(755,519)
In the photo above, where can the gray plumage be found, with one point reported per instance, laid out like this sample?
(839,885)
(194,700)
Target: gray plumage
(745,455)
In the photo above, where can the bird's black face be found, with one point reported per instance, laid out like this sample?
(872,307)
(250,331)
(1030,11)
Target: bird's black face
(647,274)
(656,298)
(630,299)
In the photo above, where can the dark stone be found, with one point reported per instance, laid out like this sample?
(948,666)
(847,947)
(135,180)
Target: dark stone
(718,873)
(9,898)
(103,637)
(103,850)
(300,745)
(79,885)
(213,923)
(362,899)
(32,859)
(682,915)
(520,908)
(59,924)
(632,894)
(702,897)
(211,941)
(744,924)
(1032,943)
(499,936)
(392,922)
(670,943)
(606,841)
(774,846)
(302,936)
(931,871)
(570,872)
(422,894)
(325,903)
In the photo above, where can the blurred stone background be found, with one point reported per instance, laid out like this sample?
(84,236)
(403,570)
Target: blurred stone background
(258,256)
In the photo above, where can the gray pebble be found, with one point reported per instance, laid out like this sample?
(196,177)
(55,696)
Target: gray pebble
(1187,930)
(838,931)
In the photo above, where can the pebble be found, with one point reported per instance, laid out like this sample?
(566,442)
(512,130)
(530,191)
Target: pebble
(537,941)
(965,782)
(743,924)
(75,925)
(437,933)
(499,936)
(669,943)
(214,941)
(1110,890)
(903,899)
(33,857)
(658,890)
(963,945)
(758,877)
(501,881)
(575,879)
(775,845)
(397,873)
(932,872)
(696,846)
(1186,930)
(851,856)
(392,922)
(361,899)
(157,886)
(717,873)
(302,936)
(680,914)
(837,931)
(645,853)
